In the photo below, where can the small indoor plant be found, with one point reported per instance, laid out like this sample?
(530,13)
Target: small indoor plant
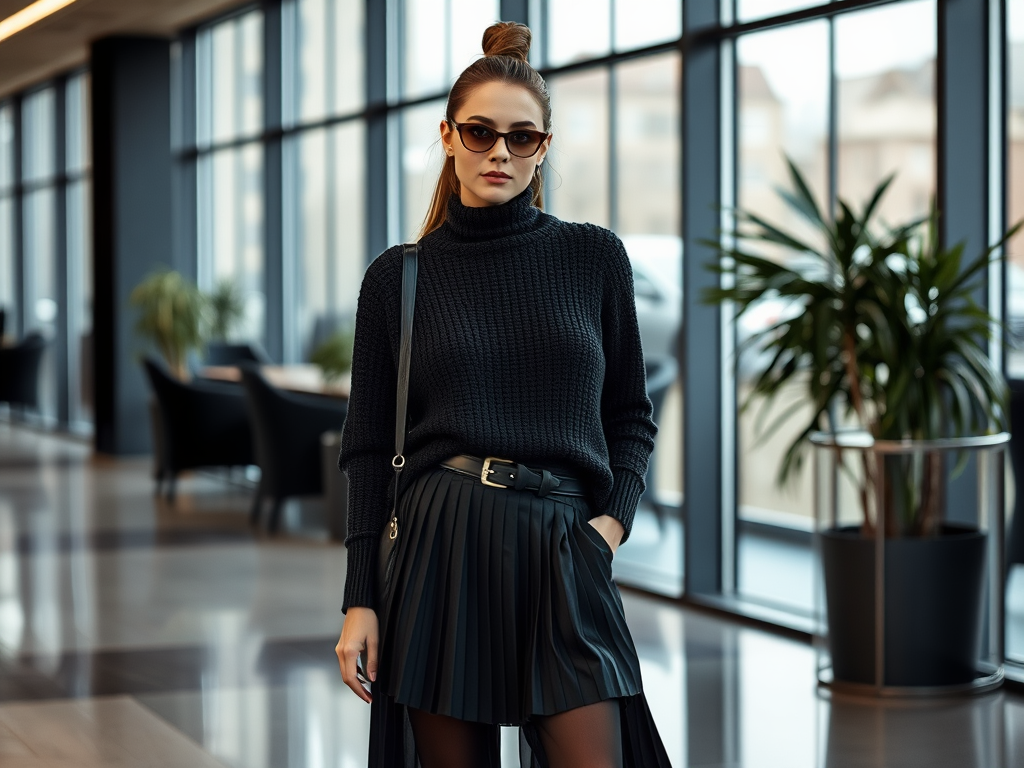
(334,354)
(226,309)
(884,334)
(171,315)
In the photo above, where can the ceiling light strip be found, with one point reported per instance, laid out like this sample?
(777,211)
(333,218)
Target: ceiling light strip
(29,15)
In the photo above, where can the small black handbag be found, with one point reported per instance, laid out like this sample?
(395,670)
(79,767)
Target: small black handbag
(388,549)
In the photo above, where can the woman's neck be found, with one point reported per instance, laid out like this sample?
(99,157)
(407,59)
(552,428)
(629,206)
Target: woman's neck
(515,217)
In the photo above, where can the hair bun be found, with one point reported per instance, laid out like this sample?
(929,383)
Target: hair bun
(508,38)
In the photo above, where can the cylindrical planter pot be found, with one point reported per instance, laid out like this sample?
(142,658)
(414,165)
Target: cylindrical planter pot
(901,613)
(934,594)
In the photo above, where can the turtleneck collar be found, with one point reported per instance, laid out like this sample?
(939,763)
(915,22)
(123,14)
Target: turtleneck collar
(515,217)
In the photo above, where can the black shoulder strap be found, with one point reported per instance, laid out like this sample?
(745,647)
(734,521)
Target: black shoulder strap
(410,265)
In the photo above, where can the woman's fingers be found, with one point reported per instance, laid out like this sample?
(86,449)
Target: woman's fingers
(348,658)
(358,635)
(371,657)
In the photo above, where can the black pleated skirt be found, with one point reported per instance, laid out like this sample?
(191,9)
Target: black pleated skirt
(501,608)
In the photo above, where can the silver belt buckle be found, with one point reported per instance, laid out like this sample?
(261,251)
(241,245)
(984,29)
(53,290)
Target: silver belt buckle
(488,471)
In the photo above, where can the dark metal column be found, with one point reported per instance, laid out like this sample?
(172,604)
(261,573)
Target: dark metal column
(964,198)
(274,279)
(963,89)
(16,319)
(376,128)
(515,10)
(183,136)
(701,337)
(62,287)
(132,223)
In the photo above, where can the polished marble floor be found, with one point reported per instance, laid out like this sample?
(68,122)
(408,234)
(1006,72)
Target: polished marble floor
(137,633)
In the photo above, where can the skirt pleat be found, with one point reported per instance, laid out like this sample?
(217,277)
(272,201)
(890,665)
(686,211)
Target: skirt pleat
(502,608)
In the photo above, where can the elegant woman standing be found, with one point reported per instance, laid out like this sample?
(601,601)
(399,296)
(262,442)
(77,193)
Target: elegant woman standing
(500,609)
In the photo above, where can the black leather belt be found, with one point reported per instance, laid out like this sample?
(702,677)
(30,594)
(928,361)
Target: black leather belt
(503,473)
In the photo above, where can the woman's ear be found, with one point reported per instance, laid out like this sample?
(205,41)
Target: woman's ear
(446,137)
(543,151)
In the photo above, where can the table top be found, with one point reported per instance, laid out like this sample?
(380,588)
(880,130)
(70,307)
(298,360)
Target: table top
(304,378)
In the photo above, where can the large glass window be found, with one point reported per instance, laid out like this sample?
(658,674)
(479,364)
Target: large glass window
(606,25)
(421,162)
(45,241)
(885,118)
(439,39)
(782,111)
(39,245)
(8,294)
(6,148)
(644,202)
(38,135)
(577,176)
(573,35)
(1015,186)
(79,251)
(885,71)
(231,228)
(324,211)
(229,79)
(1015,300)
(329,244)
(646,22)
(326,61)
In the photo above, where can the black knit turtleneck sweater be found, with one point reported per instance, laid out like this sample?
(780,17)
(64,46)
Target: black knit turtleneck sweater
(525,346)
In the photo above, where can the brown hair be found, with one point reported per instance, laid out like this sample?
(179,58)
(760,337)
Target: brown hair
(506,48)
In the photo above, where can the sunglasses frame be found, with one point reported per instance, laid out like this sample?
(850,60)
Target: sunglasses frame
(499,135)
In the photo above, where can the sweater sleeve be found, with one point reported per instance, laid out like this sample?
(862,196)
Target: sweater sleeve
(367,443)
(626,411)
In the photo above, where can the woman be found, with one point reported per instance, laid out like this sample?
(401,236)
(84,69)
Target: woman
(501,609)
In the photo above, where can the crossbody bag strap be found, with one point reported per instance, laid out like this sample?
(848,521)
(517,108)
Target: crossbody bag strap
(410,267)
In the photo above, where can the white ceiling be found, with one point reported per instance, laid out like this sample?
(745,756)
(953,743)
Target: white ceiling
(61,41)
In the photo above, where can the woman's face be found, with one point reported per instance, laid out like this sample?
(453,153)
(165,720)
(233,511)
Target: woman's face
(495,176)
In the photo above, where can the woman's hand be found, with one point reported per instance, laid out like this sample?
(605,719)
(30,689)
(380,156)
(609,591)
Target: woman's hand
(610,528)
(359,633)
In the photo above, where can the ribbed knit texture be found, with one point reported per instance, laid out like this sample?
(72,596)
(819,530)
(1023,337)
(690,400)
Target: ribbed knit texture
(525,346)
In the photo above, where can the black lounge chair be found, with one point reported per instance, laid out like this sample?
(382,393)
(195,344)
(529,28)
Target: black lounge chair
(201,424)
(287,428)
(19,371)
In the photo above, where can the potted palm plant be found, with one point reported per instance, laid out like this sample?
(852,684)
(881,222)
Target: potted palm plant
(884,336)
(172,313)
(334,354)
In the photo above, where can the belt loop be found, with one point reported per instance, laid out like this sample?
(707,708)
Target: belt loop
(548,483)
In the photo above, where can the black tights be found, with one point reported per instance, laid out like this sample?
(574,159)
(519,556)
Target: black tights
(587,737)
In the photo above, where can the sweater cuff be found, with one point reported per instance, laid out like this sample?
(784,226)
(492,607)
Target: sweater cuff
(627,489)
(359,579)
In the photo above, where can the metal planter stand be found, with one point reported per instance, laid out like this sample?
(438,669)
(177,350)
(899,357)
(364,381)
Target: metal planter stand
(989,454)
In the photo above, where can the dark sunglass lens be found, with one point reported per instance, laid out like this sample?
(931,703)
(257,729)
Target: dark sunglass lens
(477,138)
(524,143)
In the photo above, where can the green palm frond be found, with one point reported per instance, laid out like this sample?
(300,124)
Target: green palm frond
(889,331)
